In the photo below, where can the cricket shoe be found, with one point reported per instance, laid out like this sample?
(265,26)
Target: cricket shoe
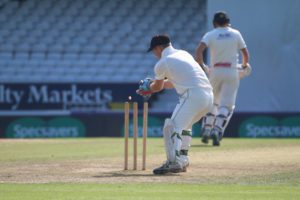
(215,136)
(184,160)
(205,135)
(184,168)
(221,135)
(168,167)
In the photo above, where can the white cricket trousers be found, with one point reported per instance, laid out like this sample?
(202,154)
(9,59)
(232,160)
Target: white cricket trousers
(192,106)
(225,83)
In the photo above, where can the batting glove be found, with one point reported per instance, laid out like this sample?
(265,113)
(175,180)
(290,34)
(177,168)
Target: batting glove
(247,69)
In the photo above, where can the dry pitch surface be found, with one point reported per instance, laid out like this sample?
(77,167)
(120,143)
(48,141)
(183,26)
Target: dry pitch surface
(237,161)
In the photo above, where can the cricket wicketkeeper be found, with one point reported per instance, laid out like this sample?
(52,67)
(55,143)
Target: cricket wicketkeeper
(178,69)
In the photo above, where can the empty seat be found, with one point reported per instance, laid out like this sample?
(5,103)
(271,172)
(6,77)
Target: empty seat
(49,64)
(70,56)
(40,47)
(87,56)
(6,55)
(6,47)
(65,63)
(23,47)
(33,63)
(38,56)
(21,56)
(54,56)
(90,48)
(93,40)
(73,48)
(56,48)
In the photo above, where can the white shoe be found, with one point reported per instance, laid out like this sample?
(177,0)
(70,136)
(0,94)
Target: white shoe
(184,161)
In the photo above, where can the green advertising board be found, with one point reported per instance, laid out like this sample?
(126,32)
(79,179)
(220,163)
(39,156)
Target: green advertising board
(266,126)
(35,127)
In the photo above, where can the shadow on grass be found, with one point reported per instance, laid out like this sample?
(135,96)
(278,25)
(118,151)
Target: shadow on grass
(204,146)
(131,173)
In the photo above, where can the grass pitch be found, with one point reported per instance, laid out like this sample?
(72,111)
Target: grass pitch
(92,168)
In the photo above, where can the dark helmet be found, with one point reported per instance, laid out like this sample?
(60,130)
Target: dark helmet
(221,18)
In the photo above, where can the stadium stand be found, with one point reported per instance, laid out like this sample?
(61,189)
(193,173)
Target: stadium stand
(91,41)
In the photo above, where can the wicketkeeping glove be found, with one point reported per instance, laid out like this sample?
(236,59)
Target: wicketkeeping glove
(145,84)
(144,88)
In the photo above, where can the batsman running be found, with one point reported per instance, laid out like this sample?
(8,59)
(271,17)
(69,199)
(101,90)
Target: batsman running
(224,73)
(178,69)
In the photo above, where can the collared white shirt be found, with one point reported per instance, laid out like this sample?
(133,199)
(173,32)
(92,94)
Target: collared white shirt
(224,44)
(180,68)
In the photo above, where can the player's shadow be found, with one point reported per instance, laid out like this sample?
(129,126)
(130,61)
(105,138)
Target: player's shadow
(130,173)
(203,146)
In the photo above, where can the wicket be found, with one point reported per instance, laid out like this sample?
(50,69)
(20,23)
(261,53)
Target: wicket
(135,134)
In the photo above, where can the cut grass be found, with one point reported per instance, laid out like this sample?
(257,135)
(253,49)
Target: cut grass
(146,191)
(91,168)
(72,149)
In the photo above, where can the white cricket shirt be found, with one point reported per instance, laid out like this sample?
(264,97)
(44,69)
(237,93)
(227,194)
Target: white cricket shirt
(224,44)
(181,70)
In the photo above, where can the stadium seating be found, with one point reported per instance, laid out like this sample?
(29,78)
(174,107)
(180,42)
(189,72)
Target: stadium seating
(91,41)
